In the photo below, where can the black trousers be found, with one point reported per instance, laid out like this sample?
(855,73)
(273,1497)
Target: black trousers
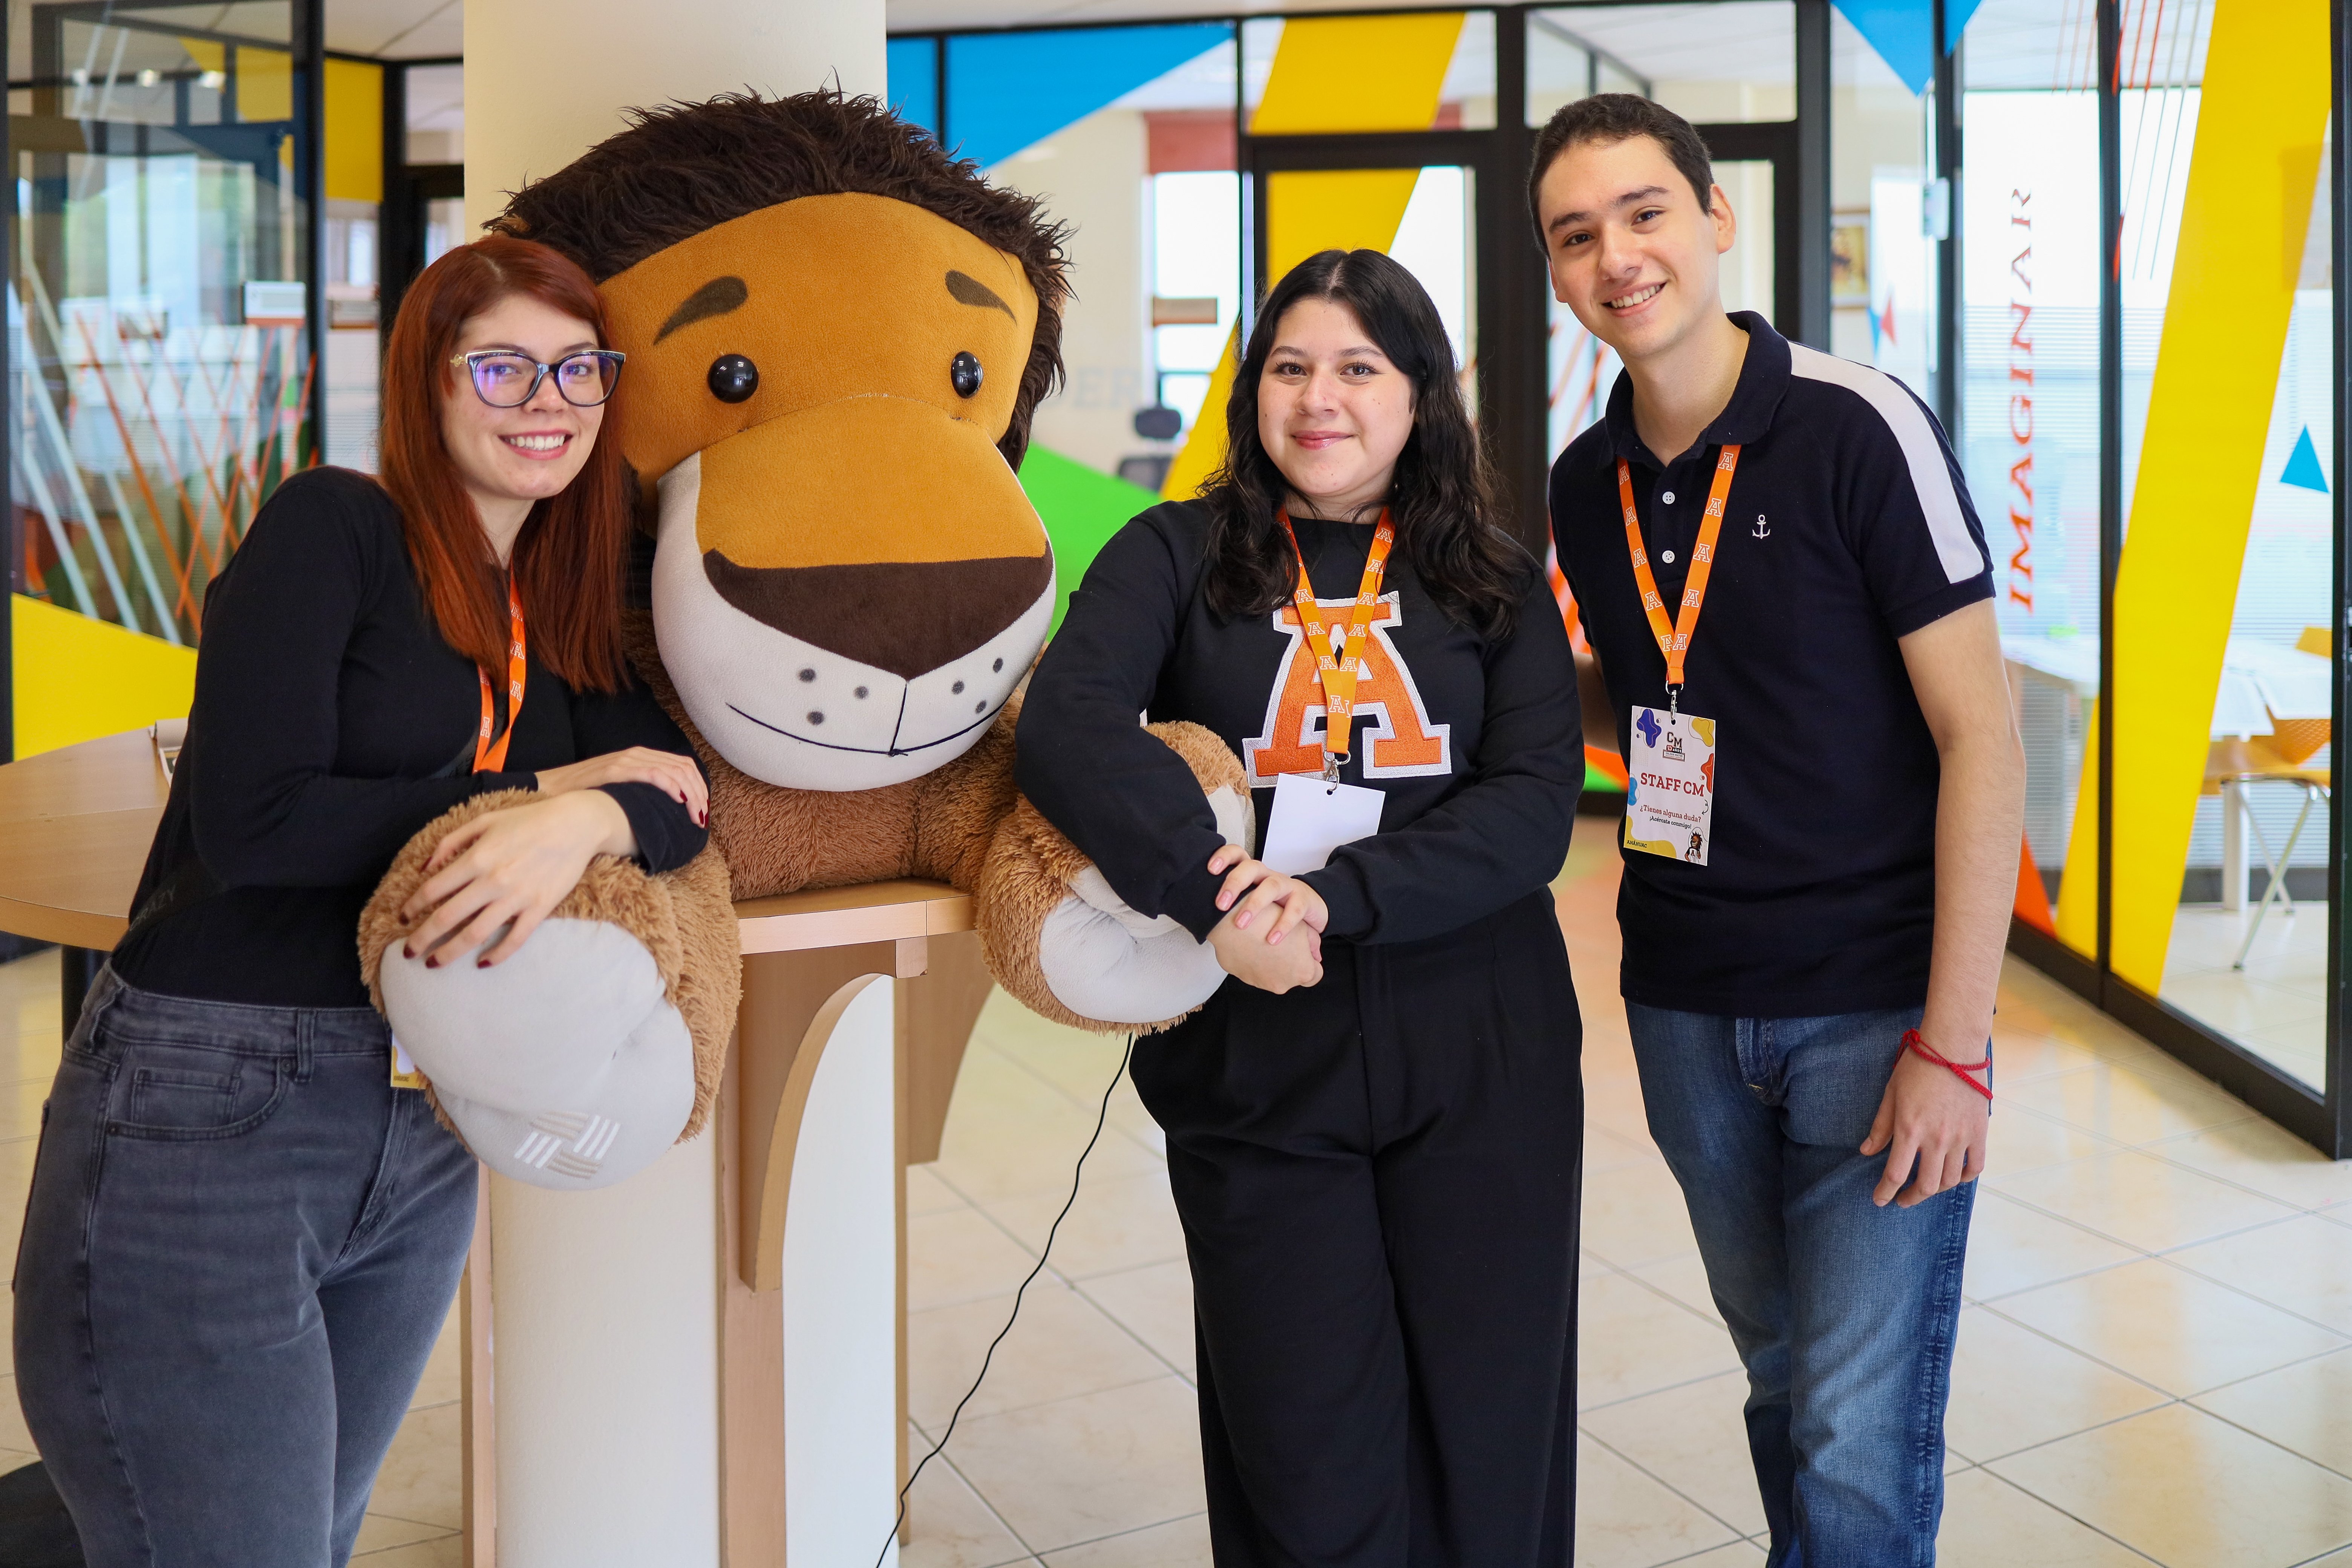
(1379,1183)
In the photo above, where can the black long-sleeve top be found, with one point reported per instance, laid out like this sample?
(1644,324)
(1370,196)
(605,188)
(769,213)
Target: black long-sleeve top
(1477,744)
(330,723)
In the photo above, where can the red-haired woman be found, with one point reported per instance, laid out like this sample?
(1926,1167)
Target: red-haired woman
(243,1239)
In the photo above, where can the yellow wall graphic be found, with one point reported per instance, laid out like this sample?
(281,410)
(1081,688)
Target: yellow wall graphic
(354,109)
(1329,74)
(78,678)
(2251,178)
(265,83)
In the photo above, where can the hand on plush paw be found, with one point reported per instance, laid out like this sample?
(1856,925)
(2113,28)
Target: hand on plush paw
(595,1045)
(1065,945)
(492,880)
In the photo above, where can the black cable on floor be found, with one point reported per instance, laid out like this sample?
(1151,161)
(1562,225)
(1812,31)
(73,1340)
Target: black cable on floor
(1102,1115)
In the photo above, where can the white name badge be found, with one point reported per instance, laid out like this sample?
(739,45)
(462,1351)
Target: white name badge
(1670,785)
(1311,818)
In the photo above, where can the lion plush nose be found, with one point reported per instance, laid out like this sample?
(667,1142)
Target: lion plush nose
(904,617)
(846,595)
(877,528)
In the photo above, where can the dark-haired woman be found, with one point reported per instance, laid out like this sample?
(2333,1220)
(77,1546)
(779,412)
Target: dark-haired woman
(1374,1127)
(243,1239)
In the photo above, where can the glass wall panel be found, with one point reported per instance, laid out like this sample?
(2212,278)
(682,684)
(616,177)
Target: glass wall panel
(1885,210)
(1141,173)
(1717,62)
(156,299)
(2029,425)
(2223,686)
(347,259)
(1729,62)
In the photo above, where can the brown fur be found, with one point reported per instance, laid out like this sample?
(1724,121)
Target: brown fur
(683,917)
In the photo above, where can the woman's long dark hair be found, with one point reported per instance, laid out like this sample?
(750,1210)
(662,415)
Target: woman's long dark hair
(1441,499)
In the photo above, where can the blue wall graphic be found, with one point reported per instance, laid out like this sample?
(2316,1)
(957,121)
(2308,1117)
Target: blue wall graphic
(1903,32)
(1010,91)
(2302,467)
(914,90)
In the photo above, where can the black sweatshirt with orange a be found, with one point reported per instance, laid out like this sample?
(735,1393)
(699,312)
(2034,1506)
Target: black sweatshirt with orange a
(1476,742)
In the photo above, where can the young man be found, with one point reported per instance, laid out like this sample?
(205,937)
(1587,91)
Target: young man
(1789,605)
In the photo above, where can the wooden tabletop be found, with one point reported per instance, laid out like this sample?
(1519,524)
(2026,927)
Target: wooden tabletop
(75,825)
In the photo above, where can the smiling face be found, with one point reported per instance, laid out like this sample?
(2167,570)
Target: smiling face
(1332,411)
(849,580)
(1631,252)
(509,457)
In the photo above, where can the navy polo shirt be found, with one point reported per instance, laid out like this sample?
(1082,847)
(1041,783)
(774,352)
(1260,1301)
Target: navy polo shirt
(1848,526)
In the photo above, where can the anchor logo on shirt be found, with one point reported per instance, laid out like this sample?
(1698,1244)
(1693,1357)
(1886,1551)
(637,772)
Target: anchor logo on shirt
(1763,530)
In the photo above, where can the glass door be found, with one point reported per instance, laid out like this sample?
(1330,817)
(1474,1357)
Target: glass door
(1730,67)
(1425,218)
(158,307)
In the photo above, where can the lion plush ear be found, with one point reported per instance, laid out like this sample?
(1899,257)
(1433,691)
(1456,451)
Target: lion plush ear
(581,1058)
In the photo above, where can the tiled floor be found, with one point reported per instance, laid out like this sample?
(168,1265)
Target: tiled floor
(2155,1362)
(2277,1004)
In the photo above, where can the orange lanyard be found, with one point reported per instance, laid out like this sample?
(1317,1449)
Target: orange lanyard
(491,756)
(1674,639)
(1338,675)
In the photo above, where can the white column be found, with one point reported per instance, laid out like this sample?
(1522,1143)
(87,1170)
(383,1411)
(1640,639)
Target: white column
(840,1299)
(605,1336)
(605,1356)
(546,80)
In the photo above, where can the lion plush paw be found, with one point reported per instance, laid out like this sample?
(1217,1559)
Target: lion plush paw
(1068,947)
(564,1065)
(577,1060)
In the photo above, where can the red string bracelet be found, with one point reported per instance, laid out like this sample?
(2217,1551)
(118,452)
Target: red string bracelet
(1921,1049)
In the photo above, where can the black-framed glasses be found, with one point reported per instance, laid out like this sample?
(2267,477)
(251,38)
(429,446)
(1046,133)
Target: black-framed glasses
(504,379)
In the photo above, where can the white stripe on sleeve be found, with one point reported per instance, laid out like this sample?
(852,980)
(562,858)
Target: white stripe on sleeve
(1947,525)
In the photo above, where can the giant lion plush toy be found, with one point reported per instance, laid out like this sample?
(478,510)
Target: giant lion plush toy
(837,335)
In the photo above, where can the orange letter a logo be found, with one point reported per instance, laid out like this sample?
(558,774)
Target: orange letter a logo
(1393,737)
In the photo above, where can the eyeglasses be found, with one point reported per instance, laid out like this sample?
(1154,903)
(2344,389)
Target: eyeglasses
(506,380)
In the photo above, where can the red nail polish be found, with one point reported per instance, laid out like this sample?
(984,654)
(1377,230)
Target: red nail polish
(408,953)
(433,963)
(481,963)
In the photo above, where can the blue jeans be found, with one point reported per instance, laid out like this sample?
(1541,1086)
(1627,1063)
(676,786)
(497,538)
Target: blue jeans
(240,1247)
(1843,1314)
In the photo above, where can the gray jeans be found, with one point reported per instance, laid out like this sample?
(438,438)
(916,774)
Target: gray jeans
(240,1247)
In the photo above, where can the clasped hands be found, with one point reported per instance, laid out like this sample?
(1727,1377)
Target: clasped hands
(493,880)
(1260,941)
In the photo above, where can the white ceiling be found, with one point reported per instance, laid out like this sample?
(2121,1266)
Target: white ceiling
(397,29)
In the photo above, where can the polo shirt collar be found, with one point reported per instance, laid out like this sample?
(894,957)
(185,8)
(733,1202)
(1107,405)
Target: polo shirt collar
(1763,380)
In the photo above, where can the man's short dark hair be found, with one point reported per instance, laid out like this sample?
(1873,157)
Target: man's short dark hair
(1609,118)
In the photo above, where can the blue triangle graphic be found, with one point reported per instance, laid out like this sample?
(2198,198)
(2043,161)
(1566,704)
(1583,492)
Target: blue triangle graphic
(2303,465)
(1902,31)
(1010,90)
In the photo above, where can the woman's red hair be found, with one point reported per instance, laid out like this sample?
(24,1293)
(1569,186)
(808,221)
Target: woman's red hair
(571,557)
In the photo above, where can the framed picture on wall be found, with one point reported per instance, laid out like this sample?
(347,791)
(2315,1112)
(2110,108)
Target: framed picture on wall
(1850,256)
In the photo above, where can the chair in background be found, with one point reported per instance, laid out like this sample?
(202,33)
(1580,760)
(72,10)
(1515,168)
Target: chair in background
(2283,756)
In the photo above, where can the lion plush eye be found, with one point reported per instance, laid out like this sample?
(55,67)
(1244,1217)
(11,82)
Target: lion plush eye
(734,378)
(964,372)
